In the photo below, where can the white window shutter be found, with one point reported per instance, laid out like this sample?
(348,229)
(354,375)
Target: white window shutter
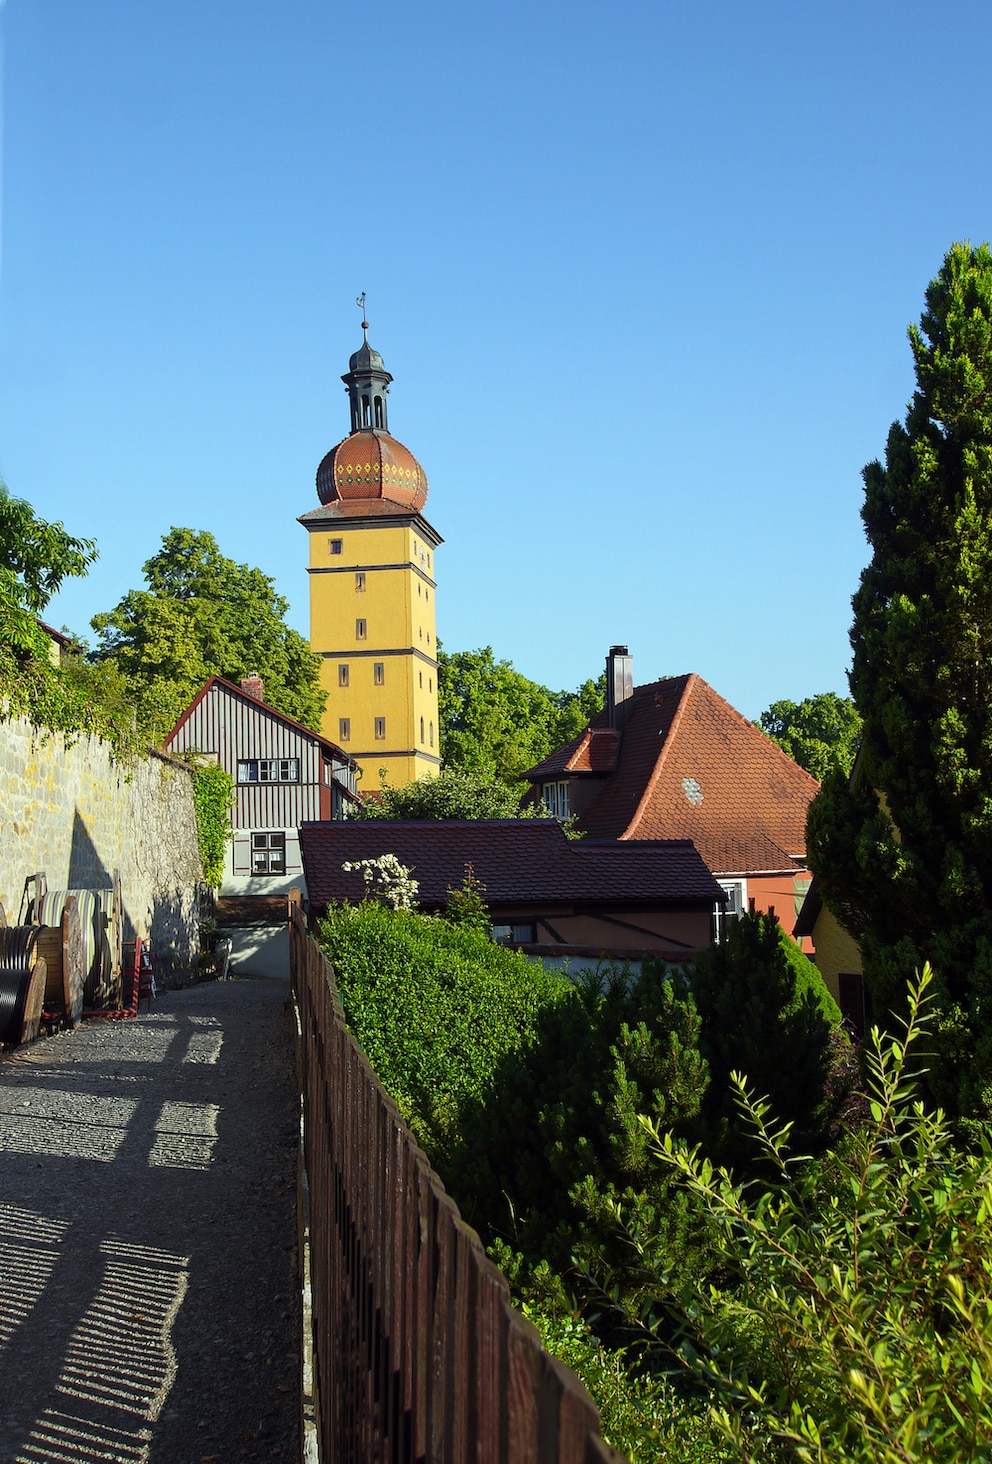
(242,853)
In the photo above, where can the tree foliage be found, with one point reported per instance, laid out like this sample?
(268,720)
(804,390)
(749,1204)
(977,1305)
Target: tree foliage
(204,615)
(765,1011)
(820,733)
(35,557)
(453,793)
(853,1317)
(905,857)
(494,720)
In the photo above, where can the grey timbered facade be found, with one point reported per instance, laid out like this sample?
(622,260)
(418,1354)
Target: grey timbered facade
(284,775)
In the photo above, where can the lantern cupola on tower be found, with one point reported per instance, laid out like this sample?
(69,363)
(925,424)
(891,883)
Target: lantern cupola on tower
(367,382)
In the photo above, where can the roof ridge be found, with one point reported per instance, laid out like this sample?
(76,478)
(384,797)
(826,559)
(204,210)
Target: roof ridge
(673,726)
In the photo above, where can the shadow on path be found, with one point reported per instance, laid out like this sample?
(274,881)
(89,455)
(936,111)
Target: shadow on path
(148,1293)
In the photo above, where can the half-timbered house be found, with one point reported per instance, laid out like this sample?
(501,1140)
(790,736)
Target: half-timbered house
(284,775)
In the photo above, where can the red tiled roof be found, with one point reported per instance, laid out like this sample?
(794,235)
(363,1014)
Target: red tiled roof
(692,767)
(520,861)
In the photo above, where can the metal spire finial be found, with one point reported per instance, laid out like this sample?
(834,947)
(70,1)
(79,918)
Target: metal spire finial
(360,302)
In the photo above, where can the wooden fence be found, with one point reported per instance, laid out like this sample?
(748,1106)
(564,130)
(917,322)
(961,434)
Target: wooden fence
(418,1354)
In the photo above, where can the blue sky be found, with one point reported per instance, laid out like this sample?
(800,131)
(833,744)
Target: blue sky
(642,275)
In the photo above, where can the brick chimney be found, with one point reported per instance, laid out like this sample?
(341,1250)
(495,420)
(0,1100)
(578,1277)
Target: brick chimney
(619,684)
(252,686)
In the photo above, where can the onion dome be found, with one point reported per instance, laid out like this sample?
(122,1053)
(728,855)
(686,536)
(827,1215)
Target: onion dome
(370,465)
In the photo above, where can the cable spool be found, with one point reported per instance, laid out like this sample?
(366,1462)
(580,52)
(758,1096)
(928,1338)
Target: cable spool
(23,974)
(96,911)
(62,948)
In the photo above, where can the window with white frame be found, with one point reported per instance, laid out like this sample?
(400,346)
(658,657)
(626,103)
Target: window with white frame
(736,892)
(269,770)
(555,799)
(268,853)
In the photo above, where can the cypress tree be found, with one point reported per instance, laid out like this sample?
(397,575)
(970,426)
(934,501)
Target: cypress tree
(905,854)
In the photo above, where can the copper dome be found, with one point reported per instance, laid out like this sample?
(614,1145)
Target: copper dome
(371,465)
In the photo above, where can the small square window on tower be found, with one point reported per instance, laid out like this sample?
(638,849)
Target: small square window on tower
(360,629)
(380,728)
(359,581)
(379,673)
(334,546)
(344,728)
(342,676)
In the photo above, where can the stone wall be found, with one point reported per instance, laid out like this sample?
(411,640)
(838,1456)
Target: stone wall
(77,814)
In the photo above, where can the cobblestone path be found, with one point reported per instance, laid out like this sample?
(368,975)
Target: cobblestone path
(148,1294)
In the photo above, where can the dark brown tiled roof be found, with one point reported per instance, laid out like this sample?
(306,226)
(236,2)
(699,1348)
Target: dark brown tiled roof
(692,767)
(520,861)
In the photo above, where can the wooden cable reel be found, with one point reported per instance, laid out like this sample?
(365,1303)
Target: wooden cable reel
(23,976)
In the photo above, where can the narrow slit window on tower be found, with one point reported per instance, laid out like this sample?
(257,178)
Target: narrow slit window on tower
(360,629)
(365,412)
(360,581)
(421,675)
(432,734)
(378,673)
(378,411)
(344,728)
(334,546)
(380,728)
(421,729)
(342,676)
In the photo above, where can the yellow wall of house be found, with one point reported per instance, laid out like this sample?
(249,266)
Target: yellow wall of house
(372,619)
(835,950)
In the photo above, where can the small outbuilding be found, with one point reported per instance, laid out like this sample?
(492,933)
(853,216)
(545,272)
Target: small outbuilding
(552,896)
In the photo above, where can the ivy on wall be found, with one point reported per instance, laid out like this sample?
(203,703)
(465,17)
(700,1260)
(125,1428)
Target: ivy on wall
(213,795)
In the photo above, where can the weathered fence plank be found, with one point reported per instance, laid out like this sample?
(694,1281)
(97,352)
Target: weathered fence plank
(419,1357)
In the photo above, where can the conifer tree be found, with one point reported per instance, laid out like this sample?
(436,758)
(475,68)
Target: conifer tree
(905,855)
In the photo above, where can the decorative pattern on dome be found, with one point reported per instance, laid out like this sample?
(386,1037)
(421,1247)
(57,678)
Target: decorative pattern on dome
(372,465)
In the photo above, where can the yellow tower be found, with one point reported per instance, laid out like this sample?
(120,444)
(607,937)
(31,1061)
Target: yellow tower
(372,590)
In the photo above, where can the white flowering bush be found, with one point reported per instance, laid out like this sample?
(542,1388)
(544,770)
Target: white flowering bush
(386,879)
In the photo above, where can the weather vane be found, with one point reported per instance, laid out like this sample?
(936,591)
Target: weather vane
(360,302)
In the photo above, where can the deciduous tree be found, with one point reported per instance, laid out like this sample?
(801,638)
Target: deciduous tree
(820,733)
(494,720)
(202,615)
(35,557)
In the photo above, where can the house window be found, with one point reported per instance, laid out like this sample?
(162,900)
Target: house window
(430,684)
(555,799)
(334,546)
(344,728)
(378,673)
(421,675)
(360,581)
(268,853)
(380,728)
(269,770)
(853,1003)
(519,934)
(736,892)
(422,729)
(342,676)
(432,734)
(360,629)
